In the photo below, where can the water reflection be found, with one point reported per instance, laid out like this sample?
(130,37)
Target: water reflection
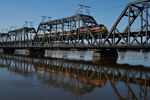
(83,77)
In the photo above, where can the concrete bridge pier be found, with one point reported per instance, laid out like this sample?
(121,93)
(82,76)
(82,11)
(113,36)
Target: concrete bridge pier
(37,52)
(7,50)
(105,55)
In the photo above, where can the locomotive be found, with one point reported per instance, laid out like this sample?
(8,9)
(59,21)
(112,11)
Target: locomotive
(98,29)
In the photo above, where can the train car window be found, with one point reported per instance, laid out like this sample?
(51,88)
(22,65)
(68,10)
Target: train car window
(100,25)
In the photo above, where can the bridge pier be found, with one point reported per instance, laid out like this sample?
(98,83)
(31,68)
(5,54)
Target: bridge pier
(37,52)
(145,50)
(105,55)
(7,50)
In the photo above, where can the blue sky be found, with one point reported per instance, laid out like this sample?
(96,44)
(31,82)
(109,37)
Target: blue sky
(15,12)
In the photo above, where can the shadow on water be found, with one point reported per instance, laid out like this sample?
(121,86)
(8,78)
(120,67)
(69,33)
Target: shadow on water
(83,77)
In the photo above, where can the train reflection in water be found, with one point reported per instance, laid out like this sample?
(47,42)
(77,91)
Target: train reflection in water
(82,77)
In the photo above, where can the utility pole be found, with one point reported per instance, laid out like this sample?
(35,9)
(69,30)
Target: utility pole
(26,23)
(31,24)
(82,9)
(49,18)
(43,18)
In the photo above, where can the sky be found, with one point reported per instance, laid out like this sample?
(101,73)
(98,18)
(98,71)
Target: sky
(15,12)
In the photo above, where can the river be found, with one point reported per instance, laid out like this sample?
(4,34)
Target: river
(75,75)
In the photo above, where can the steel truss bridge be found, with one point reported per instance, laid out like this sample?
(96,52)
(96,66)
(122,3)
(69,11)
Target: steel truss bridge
(121,36)
(82,77)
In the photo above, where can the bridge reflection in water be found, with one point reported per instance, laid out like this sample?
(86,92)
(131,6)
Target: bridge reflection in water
(82,77)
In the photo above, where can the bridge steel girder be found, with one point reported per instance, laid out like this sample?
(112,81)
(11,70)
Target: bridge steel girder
(136,14)
(132,11)
(3,37)
(68,24)
(19,37)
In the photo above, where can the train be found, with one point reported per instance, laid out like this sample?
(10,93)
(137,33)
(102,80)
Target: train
(98,29)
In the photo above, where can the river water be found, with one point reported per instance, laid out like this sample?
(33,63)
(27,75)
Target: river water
(75,75)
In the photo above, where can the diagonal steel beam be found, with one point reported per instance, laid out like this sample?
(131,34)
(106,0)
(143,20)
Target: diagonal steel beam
(141,16)
(138,34)
(121,35)
(131,22)
(88,29)
(116,23)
